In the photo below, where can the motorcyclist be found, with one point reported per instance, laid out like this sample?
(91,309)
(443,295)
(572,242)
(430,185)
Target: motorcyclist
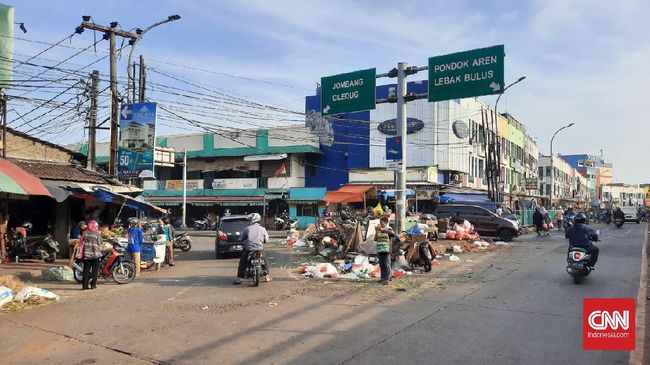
(581,235)
(254,237)
(618,214)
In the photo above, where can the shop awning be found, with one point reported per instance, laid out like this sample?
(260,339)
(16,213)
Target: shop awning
(115,198)
(390,194)
(28,182)
(9,186)
(348,194)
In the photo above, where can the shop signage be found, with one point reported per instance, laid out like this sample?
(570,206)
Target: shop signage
(348,92)
(390,126)
(531,184)
(234,184)
(137,140)
(460,129)
(466,74)
(178,184)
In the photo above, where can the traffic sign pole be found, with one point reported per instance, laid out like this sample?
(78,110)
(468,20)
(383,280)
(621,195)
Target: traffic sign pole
(400,175)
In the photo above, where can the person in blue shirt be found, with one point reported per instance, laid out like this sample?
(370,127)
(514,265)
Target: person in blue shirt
(580,235)
(76,231)
(136,237)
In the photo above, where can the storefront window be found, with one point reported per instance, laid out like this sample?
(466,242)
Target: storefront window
(306,210)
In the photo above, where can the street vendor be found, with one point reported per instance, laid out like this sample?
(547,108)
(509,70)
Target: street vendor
(136,238)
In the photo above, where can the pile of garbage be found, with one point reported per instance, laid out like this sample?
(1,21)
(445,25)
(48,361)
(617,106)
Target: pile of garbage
(16,295)
(359,268)
(330,238)
(460,232)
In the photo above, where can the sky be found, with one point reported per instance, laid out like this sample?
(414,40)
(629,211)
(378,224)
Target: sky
(584,61)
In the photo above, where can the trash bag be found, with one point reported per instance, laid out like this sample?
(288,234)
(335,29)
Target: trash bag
(6,295)
(32,291)
(62,273)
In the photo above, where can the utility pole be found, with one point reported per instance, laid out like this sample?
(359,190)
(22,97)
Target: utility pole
(3,101)
(142,81)
(184,225)
(400,188)
(110,33)
(92,121)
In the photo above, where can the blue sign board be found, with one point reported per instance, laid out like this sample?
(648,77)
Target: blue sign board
(137,140)
(393,148)
(390,126)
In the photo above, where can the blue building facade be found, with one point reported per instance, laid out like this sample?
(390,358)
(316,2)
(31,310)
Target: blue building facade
(350,148)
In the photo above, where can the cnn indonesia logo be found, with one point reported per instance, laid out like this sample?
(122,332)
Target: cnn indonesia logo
(608,324)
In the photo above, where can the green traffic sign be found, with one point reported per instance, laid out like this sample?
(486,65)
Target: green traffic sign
(348,92)
(466,74)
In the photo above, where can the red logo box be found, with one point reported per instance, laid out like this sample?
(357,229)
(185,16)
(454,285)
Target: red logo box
(608,324)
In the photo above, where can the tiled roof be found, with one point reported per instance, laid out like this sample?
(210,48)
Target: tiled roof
(63,172)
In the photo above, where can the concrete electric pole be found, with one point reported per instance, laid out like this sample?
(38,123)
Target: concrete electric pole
(92,121)
(400,189)
(110,32)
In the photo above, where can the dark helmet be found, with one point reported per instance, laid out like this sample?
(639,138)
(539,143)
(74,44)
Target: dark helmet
(580,218)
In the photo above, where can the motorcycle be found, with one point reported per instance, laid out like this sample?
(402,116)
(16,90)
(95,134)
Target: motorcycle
(419,254)
(39,248)
(112,265)
(183,241)
(577,261)
(284,222)
(204,224)
(254,269)
(618,222)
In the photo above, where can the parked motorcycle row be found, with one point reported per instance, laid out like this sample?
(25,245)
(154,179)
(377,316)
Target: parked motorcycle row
(20,247)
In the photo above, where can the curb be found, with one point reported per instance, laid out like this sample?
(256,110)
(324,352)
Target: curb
(637,356)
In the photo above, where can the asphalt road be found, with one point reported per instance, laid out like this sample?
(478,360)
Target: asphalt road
(512,305)
(530,312)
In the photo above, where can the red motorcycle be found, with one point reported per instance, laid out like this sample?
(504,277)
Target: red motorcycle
(112,265)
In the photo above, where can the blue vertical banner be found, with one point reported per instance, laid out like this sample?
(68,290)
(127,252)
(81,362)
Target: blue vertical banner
(394,148)
(137,140)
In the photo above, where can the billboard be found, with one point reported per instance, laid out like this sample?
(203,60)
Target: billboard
(137,140)
(6,45)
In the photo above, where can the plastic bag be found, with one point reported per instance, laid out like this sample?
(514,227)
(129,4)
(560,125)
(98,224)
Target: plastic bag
(457,249)
(6,295)
(361,260)
(451,235)
(321,271)
(414,230)
(454,258)
(32,291)
(378,211)
(62,273)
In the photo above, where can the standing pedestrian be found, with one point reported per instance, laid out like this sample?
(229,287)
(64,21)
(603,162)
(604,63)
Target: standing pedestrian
(383,232)
(168,231)
(559,217)
(90,251)
(136,237)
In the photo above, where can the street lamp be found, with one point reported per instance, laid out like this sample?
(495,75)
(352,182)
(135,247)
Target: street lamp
(496,133)
(550,195)
(141,33)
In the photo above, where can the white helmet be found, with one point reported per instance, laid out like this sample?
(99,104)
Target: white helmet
(254,218)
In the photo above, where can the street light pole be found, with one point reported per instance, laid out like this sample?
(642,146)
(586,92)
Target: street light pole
(140,33)
(496,119)
(550,195)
